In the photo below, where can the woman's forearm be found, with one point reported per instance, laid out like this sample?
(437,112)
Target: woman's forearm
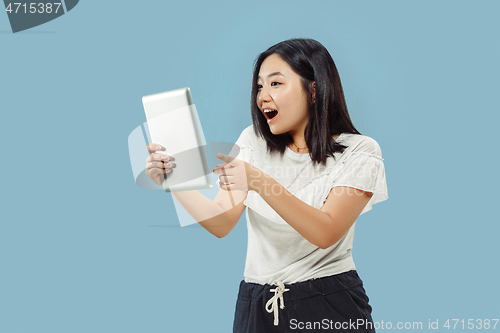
(206,212)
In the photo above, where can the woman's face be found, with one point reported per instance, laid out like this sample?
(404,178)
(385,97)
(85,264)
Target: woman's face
(280,90)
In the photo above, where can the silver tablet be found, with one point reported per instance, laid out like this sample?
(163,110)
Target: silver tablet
(173,123)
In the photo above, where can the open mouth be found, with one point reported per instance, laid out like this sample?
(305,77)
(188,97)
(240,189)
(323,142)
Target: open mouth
(270,113)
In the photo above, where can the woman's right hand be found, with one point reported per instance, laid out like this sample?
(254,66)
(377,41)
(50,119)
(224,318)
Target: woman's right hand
(157,164)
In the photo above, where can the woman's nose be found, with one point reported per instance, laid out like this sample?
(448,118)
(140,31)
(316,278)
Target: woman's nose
(263,95)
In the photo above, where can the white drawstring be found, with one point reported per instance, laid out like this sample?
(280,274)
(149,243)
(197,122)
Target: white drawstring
(278,293)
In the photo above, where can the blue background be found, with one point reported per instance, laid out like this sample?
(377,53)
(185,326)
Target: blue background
(84,249)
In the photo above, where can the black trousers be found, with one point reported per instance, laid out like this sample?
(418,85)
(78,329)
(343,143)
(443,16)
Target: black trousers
(336,303)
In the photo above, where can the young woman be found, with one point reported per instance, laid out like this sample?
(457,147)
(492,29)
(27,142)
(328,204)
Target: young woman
(305,174)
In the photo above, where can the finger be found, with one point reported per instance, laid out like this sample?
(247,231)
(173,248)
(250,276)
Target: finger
(228,187)
(232,187)
(220,166)
(225,158)
(152,147)
(222,171)
(155,171)
(154,165)
(158,157)
(224,165)
(226,179)
(160,165)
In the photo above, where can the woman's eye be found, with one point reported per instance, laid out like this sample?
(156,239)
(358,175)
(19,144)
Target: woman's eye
(259,86)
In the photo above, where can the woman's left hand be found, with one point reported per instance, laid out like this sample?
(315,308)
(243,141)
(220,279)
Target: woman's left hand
(234,174)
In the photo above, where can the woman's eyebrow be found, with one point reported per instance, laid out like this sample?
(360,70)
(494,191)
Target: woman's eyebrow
(274,74)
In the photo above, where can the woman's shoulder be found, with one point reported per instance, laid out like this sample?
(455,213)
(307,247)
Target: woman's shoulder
(359,143)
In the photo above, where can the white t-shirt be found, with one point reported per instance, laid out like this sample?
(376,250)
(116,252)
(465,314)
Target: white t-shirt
(275,250)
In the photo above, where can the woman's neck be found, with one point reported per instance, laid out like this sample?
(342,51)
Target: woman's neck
(299,144)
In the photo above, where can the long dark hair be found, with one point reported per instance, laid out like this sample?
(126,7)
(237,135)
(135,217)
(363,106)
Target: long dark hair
(328,115)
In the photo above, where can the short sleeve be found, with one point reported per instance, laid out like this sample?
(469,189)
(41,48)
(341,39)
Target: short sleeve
(243,148)
(364,169)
